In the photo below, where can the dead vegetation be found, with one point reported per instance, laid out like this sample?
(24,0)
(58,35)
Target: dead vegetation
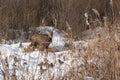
(99,55)
(102,58)
(99,52)
(23,14)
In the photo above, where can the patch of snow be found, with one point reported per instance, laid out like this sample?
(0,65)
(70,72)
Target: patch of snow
(31,61)
(34,58)
(89,78)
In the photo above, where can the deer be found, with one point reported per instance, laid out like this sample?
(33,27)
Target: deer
(41,41)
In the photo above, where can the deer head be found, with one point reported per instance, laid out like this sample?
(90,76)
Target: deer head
(50,33)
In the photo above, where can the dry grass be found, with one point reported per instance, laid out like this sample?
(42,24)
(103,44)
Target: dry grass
(23,14)
(101,53)
(100,57)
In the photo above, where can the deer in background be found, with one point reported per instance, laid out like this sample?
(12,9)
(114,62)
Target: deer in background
(40,41)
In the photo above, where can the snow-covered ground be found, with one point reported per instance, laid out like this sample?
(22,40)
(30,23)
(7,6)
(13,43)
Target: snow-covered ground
(58,63)
(37,63)
(40,65)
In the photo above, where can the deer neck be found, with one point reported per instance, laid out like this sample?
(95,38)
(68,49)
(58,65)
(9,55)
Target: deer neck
(50,35)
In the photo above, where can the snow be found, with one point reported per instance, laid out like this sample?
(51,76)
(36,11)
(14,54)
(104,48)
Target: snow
(58,41)
(32,62)
(88,78)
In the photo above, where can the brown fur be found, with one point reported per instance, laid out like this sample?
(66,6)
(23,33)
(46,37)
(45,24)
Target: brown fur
(29,49)
(41,41)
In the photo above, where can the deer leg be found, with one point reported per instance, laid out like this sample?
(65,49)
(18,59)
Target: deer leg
(46,50)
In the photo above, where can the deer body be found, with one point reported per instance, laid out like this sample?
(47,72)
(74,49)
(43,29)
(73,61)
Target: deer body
(41,41)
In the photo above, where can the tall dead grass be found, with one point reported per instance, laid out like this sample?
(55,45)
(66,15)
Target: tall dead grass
(101,57)
(21,14)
